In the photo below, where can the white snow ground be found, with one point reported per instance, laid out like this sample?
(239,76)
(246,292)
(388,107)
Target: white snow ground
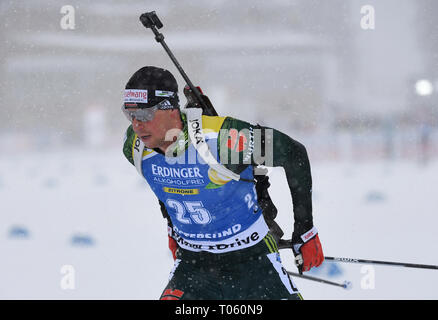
(92,211)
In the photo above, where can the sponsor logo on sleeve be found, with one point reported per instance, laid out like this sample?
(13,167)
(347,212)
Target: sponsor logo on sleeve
(237,141)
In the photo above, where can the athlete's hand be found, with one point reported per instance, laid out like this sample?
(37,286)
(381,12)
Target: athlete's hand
(173,246)
(308,253)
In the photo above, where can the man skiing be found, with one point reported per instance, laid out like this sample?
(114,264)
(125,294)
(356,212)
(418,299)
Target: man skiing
(204,172)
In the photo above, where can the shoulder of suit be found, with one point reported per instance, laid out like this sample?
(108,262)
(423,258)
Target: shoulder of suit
(212,123)
(128,144)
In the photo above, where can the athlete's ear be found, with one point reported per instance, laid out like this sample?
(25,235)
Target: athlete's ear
(175,114)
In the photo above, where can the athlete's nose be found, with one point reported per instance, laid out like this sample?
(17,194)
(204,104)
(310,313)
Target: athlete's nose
(136,123)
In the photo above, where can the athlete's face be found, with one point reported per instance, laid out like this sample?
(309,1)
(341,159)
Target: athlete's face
(153,132)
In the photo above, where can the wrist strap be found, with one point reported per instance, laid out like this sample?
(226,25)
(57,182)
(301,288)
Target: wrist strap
(305,238)
(309,234)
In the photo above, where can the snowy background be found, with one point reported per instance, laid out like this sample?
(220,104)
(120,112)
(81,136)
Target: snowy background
(363,101)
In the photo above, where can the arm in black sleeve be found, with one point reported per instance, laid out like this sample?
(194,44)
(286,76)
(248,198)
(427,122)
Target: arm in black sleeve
(287,153)
(292,156)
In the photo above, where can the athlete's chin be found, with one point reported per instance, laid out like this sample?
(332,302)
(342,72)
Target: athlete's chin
(149,142)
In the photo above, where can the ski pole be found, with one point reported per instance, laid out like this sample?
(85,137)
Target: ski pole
(388,263)
(287,244)
(346,285)
(151,21)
